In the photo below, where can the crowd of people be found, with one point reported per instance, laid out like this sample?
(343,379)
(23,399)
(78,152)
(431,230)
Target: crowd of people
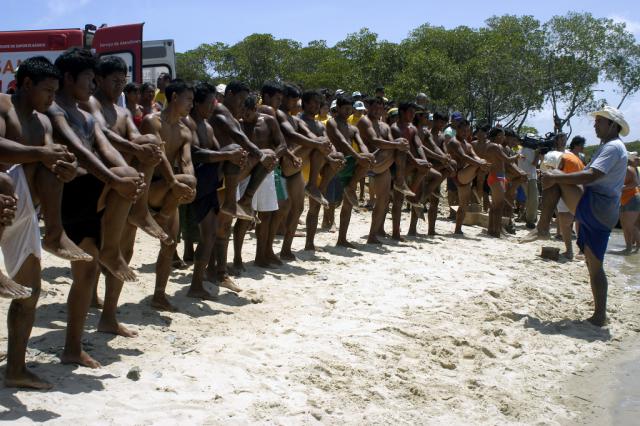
(98,158)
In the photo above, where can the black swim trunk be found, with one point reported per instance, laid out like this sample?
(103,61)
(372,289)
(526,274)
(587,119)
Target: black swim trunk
(80,216)
(208,182)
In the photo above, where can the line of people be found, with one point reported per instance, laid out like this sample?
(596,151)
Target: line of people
(98,171)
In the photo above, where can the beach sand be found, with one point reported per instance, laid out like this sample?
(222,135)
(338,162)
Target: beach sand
(438,330)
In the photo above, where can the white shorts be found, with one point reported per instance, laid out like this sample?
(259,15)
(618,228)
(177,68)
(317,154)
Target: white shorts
(22,237)
(265,199)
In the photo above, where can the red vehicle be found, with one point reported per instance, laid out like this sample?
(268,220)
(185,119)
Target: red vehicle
(121,40)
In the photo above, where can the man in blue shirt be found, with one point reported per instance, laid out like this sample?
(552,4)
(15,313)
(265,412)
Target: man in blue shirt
(593,195)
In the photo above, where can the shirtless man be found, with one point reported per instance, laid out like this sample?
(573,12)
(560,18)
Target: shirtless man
(259,163)
(480,145)
(264,131)
(496,178)
(40,165)
(96,204)
(515,176)
(168,190)
(468,164)
(346,138)
(442,163)
(376,135)
(208,158)
(141,152)
(418,167)
(304,145)
(311,115)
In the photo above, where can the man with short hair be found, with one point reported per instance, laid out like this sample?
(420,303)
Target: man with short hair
(264,131)
(346,138)
(376,135)
(209,159)
(593,195)
(468,164)
(160,98)
(169,189)
(39,172)
(96,204)
(259,163)
(311,104)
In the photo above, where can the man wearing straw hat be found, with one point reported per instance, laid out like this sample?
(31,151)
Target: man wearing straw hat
(593,196)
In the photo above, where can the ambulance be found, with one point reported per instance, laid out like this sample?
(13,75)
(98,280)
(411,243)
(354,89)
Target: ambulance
(145,59)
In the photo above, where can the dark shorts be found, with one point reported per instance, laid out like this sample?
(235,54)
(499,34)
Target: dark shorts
(335,189)
(591,232)
(80,216)
(346,173)
(451,184)
(207,185)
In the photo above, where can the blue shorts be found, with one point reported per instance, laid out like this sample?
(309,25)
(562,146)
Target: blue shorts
(591,232)
(633,205)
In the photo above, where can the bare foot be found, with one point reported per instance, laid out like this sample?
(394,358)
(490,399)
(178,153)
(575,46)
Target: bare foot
(201,294)
(398,238)
(238,267)
(373,240)
(161,303)
(26,379)
(535,235)
(264,263)
(116,328)
(412,233)
(404,189)
(309,247)
(82,359)
(117,266)
(274,259)
(314,193)
(458,232)
(178,263)
(598,321)
(236,211)
(287,255)
(346,244)
(228,283)
(96,302)
(64,248)
(10,289)
(149,226)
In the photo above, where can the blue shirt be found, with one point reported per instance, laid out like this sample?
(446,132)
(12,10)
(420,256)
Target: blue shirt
(611,159)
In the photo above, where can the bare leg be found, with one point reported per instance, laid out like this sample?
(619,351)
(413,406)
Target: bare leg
(312,224)
(495,212)
(239,231)
(381,185)
(113,221)
(566,220)
(599,287)
(230,206)
(47,189)
(396,215)
(316,163)
(464,193)
(202,256)
(108,321)
(20,323)
(295,187)
(85,274)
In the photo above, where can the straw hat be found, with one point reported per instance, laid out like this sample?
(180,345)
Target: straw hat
(614,115)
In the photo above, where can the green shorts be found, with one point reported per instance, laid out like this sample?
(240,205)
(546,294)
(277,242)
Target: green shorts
(281,184)
(346,173)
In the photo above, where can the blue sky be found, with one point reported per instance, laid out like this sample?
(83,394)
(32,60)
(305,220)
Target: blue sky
(195,22)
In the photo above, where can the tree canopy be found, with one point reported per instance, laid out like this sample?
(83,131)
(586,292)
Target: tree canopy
(500,72)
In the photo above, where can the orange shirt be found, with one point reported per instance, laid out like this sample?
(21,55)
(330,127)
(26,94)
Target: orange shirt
(628,194)
(572,163)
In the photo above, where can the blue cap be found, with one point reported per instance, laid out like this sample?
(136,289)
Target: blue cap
(456,116)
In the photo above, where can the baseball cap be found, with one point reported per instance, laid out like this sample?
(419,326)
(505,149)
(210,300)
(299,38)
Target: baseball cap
(359,105)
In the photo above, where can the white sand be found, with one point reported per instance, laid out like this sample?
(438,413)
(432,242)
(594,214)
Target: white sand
(435,330)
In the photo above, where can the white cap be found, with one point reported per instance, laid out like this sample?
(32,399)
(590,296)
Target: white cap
(221,88)
(339,92)
(334,104)
(359,105)
(356,93)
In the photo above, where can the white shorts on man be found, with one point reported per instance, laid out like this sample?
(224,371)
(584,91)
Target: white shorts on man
(22,237)
(266,198)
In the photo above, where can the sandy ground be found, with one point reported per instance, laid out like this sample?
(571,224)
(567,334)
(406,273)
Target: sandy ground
(438,330)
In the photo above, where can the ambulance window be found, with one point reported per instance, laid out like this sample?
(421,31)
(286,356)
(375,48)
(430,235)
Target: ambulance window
(128,59)
(150,73)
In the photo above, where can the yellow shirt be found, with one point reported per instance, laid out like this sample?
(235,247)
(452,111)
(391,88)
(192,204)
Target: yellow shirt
(353,119)
(160,98)
(322,119)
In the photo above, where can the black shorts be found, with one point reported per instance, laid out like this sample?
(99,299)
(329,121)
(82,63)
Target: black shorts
(80,216)
(208,182)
